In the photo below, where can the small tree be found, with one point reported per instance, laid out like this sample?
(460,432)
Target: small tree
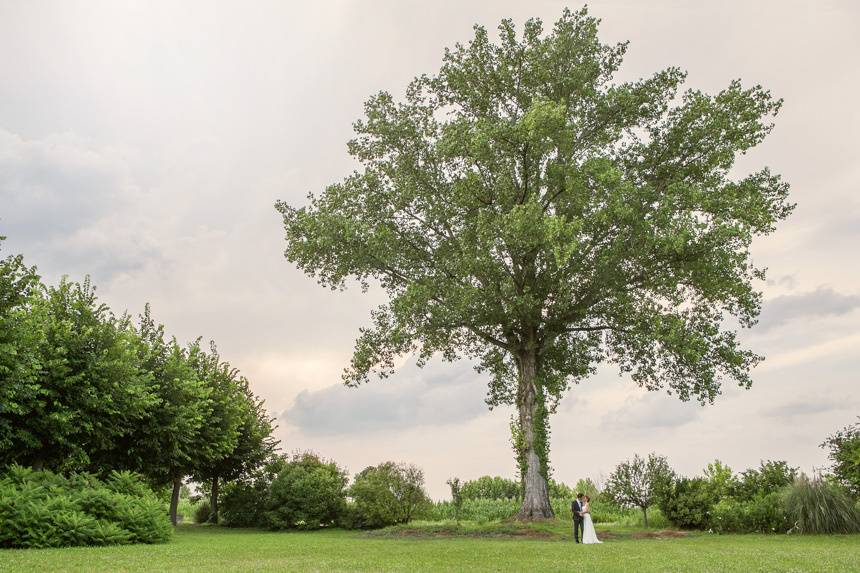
(166,443)
(844,448)
(309,493)
(239,423)
(456,497)
(386,494)
(637,482)
(721,479)
(409,489)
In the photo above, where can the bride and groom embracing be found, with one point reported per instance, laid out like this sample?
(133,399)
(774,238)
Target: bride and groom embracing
(582,523)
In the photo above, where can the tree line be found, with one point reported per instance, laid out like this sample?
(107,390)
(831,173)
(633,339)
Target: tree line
(84,389)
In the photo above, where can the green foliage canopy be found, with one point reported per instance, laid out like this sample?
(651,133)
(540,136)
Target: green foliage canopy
(844,454)
(639,482)
(522,209)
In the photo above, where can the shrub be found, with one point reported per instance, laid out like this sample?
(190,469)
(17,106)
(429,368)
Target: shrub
(385,495)
(817,506)
(245,502)
(43,509)
(687,502)
(763,514)
(308,493)
(487,487)
(770,477)
(201,512)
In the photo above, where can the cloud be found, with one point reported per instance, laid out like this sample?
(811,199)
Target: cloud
(787,281)
(56,185)
(72,206)
(650,411)
(805,407)
(438,395)
(823,301)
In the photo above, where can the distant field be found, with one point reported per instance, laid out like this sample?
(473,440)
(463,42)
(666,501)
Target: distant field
(212,549)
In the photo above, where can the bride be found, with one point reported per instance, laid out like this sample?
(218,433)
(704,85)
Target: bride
(588,533)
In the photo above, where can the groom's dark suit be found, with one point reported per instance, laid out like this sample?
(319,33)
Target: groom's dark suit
(575,508)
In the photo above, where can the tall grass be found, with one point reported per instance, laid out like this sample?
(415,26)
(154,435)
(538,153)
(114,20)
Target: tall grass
(817,506)
(485,510)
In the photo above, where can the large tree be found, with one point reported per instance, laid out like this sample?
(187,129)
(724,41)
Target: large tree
(522,209)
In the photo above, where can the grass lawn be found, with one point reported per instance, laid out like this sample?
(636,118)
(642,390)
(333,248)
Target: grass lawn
(546,547)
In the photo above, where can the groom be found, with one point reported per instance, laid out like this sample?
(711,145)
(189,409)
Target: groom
(576,510)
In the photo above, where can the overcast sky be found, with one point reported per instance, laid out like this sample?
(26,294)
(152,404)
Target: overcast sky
(144,143)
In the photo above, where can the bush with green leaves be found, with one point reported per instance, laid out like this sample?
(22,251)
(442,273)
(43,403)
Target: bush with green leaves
(771,476)
(762,514)
(244,502)
(44,509)
(819,506)
(308,493)
(687,502)
(202,512)
(491,487)
(844,454)
(385,495)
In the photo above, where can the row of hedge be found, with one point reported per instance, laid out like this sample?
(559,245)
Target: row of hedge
(44,509)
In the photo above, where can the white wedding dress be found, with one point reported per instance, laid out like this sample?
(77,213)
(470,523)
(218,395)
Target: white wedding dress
(589,536)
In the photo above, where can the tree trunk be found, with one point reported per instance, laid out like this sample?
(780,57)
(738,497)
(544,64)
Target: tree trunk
(174,499)
(213,501)
(645,516)
(536,504)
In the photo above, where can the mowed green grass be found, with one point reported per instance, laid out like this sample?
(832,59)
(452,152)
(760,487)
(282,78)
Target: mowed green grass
(213,549)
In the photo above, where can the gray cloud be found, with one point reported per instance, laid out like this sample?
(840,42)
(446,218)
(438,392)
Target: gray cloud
(652,411)
(823,301)
(437,395)
(806,407)
(54,186)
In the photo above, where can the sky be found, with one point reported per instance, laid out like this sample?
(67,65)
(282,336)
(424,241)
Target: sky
(145,143)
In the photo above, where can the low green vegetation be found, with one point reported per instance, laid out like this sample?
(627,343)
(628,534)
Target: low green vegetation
(216,549)
(773,498)
(42,509)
